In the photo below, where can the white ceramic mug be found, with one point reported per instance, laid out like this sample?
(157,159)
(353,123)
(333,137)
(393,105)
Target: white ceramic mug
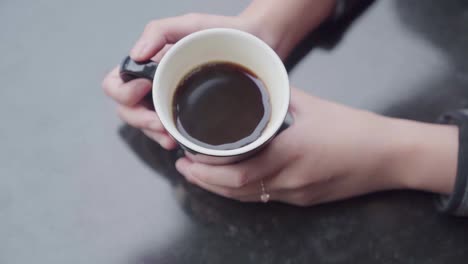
(211,45)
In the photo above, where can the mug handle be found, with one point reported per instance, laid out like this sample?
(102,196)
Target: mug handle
(288,121)
(130,70)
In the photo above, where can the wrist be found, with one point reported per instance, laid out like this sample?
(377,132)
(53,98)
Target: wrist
(258,26)
(282,24)
(421,156)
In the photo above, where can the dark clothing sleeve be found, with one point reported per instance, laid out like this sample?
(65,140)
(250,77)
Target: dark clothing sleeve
(457,202)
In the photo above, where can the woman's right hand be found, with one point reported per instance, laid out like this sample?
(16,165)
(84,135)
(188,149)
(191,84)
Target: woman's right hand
(157,38)
(281,24)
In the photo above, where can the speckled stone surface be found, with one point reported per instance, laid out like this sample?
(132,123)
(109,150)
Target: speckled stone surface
(76,186)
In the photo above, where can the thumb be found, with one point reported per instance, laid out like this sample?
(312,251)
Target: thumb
(158,33)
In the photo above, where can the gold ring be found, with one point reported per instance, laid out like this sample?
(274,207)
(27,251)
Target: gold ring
(264,197)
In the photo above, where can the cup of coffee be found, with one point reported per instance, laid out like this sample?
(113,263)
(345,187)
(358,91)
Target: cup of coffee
(222,94)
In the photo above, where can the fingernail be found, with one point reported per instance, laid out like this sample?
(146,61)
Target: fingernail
(164,143)
(139,50)
(168,143)
(183,164)
(178,165)
(182,167)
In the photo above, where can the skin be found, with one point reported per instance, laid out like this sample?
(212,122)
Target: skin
(331,152)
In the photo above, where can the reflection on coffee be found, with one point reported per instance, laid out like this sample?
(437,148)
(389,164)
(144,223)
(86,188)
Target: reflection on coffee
(221,105)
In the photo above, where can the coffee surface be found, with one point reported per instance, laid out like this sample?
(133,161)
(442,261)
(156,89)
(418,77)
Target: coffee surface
(221,105)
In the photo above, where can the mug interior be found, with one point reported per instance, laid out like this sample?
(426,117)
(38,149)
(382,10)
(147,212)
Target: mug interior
(221,45)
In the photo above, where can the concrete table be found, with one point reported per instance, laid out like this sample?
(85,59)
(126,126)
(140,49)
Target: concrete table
(76,186)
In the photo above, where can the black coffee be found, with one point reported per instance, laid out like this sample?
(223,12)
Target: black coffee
(221,105)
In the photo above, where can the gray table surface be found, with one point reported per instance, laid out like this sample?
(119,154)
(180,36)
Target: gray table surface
(78,187)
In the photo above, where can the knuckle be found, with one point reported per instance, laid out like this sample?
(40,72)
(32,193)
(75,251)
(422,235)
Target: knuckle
(242,178)
(197,174)
(132,101)
(151,25)
(192,16)
(124,97)
(128,95)
(120,95)
(106,87)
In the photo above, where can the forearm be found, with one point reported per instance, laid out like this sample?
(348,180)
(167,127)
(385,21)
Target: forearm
(422,156)
(282,24)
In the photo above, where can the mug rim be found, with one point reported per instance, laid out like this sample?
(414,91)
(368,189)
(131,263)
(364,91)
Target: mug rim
(174,133)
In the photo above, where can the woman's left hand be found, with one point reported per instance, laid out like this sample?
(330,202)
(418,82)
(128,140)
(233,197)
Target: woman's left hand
(334,152)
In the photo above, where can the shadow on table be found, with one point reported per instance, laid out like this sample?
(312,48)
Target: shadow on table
(329,34)
(228,232)
(444,25)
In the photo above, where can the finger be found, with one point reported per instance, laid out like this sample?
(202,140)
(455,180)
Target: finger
(162,52)
(132,92)
(267,163)
(304,190)
(140,117)
(257,193)
(161,138)
(249,192)
(111,81)
(125,93)
(161,32)
(305,196)
(129,93)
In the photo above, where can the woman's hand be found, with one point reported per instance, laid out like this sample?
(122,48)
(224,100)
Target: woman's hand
(333,152)
(281,24)
(157,38)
